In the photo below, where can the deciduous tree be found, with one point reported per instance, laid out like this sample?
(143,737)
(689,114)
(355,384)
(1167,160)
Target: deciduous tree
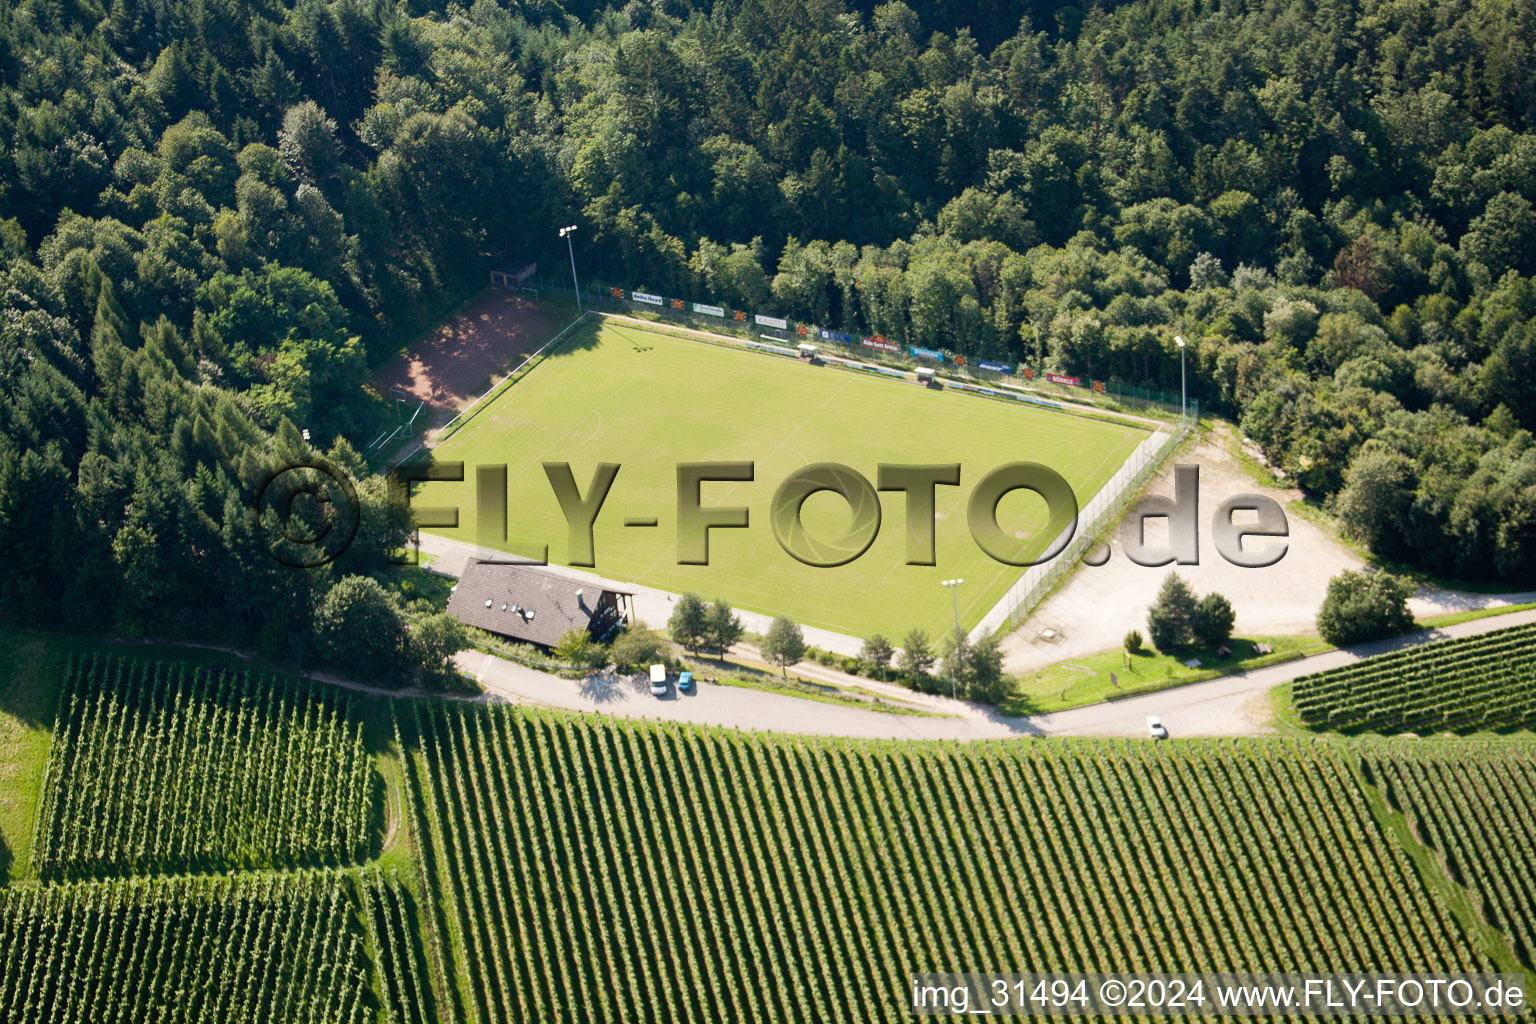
(689,624)
(784,645)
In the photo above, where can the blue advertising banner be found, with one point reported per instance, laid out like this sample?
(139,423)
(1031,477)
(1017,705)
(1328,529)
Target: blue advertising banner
(826,335)
(995,367)
(928,353)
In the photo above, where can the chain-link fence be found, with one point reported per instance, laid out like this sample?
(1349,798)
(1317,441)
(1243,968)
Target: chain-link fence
(1092,520)
(1111,394)
(879,353)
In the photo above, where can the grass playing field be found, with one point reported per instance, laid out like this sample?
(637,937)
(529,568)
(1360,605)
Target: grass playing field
(647,401)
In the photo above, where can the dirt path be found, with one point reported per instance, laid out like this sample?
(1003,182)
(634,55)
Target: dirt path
(833,677)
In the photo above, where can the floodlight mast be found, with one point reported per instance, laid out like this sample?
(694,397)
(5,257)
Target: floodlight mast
(1183,385)
(566,233)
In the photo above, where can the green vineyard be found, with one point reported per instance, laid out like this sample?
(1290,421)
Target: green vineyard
(1477,809)
(1465,685)
(546,866)
(600,870)
(162,765)
(403,983)
(183,951)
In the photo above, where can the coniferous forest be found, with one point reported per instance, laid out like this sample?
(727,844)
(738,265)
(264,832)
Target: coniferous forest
(217,217)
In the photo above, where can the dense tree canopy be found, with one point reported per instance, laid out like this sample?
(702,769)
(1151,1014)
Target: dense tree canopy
(216,217)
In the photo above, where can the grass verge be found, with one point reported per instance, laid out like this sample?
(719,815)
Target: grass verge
(766,680)
(1451,619)
(1105,675)
(30,675)
(825,693)
(1283,714)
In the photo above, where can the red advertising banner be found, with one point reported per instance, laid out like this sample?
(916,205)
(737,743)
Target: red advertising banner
(800,329)
(1098,386)
(677,303)
(1056,378)
(618,293)
(959,360)
(878,341)
(741,317)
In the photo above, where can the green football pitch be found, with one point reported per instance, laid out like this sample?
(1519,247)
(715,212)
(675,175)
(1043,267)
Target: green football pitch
(648,401)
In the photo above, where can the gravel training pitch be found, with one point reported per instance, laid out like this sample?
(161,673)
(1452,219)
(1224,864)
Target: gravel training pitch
(455,364)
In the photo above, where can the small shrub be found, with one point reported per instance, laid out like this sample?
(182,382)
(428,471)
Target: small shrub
(577,649)
(638,647)
(1133,642)
(1362,606)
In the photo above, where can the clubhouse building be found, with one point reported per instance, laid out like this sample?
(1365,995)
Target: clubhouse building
(531,605)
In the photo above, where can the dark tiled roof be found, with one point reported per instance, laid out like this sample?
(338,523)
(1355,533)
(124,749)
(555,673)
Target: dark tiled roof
(546,604)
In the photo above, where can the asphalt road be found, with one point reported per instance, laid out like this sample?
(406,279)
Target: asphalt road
(1234,705)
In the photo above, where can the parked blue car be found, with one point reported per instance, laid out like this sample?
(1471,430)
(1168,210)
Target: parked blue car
(685,682)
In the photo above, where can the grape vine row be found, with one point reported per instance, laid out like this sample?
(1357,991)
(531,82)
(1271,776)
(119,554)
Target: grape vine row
(279,948)
(1476,808)
(610,870)
(160,765)
(1478,682)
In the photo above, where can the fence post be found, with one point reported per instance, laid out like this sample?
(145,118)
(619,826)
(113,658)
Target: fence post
(1033,585)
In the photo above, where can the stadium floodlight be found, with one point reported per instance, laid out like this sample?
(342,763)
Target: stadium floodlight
(954,593)
(566,233)
(1183,385)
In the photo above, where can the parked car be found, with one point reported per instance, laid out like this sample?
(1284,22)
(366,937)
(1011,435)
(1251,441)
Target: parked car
(658,680)
(685,682)
(1155,727)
